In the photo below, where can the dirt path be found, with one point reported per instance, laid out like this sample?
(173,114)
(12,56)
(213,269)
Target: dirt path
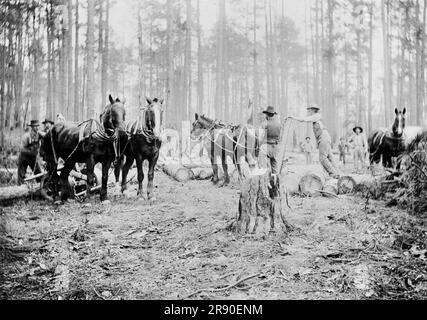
(179,244)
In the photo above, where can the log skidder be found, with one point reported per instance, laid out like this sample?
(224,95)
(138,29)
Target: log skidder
(261,206)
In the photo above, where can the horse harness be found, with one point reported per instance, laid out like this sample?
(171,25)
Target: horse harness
(99,133)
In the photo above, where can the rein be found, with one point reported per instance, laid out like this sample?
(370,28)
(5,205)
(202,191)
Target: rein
(237,143)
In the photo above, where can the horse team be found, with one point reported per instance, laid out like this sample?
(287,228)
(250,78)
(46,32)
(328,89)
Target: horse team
(115,141)
(106,142)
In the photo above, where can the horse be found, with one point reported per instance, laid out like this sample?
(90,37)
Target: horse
(141,141)
(221,140)
(391,143)
(89,142)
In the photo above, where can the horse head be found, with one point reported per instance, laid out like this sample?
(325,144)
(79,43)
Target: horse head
(153,115)
(399,122)
(200,126)
(114,114)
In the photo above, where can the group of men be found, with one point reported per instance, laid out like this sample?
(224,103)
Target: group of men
(323,139)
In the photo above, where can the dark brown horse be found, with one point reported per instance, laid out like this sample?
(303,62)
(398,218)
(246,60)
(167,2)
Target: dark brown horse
(225,141)
(90,142)
(141,141)
(392,143)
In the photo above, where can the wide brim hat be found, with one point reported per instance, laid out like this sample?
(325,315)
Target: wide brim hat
(356,127)
(48,121)
(314,107)
(269,110)
(34,123)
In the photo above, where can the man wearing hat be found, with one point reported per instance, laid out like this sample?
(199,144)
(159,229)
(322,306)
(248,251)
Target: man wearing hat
(47,124)
(29,151)
(323,139)
(273,136)
(360,148)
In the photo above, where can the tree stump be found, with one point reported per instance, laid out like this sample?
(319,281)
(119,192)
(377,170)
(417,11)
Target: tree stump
(261,206)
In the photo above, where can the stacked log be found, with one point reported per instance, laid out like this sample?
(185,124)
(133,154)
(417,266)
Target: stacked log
(16,192)
(331,187)
(355,183)
(312,182)
(178,172)
(202,173)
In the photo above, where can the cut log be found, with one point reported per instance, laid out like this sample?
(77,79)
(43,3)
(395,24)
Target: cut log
(290,180)
(331,186)
(15,192)
(202,173)
(353,183)
(261,206)
(179,173)
(312,182)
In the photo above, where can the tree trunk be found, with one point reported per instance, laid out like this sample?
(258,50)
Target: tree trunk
(105,53)
(90,102)
(370,58)
(261,207)
(76,67)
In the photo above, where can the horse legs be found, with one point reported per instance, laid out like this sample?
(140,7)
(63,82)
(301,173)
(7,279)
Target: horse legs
(90,167)
(215,178)
(139,162)
(226,176)
(117,169)
(65,185)
(105,168)
(125,172)
(151,167)
(237,165)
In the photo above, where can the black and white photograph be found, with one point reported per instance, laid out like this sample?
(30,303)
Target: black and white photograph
(230,152)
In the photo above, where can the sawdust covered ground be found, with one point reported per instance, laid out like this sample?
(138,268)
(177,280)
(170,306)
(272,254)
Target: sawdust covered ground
(179,247)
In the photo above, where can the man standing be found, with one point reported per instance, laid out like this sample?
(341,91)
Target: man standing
(29,151)
(47,124)
(273,136)
(308,149)
(323,139)
(342,148)
(360,146)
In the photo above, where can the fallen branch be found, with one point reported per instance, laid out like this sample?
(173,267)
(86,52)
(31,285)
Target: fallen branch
(222,289)
(97,293)
(326,192)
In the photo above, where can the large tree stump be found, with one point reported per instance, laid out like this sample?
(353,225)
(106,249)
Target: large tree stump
(179,173)
(261,206)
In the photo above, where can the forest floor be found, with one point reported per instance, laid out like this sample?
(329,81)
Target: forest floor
(178,247)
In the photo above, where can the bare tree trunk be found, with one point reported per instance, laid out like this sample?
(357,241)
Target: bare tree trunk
(200,87)
(77,115)
(140,58)
(255,68)
(219,92)
(170,74)
(387,77)
(105,54)
(371,31)
(90,102)
(70,59)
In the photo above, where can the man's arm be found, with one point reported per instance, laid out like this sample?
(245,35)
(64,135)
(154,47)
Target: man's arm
(313,118)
